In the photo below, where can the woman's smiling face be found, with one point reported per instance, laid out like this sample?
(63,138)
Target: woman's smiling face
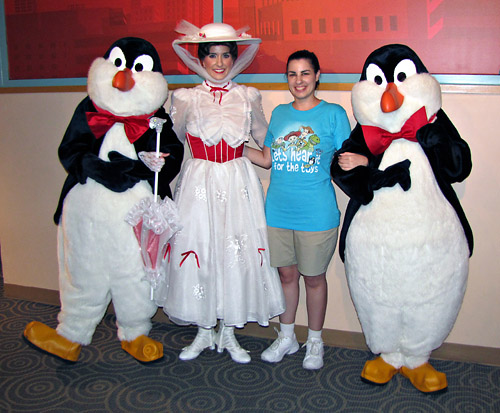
(301,79)
(219,62)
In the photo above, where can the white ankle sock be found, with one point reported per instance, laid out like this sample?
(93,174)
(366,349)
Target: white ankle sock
(287,329)
(316,334)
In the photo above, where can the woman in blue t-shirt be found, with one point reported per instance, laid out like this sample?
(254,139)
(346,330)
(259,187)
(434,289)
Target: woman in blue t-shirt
(301,207)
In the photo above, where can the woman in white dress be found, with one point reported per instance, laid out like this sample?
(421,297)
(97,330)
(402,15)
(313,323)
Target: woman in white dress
(217,267)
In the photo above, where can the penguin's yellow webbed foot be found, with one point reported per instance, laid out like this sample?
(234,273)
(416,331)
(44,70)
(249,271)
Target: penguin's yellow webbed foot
(49,340)
(378,371)
(144,349)
(425,378)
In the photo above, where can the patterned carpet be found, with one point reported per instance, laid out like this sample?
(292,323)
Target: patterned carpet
(106,379)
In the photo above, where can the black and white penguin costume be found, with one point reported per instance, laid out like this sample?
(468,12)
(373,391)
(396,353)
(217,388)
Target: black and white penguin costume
(405,239)
(99,257)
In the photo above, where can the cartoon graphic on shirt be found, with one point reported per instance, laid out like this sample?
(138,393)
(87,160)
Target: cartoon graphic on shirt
(311,162)
(309,145)
(278,143)
(313,159)
(298,138)
(297,146)
(291,140)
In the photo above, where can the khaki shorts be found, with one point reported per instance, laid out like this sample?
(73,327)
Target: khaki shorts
(310,251)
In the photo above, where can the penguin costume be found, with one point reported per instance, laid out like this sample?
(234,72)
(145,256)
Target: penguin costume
(405,240)
(99,258)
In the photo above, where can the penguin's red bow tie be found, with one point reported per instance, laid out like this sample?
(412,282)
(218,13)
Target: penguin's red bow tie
(378,139)
(101,121)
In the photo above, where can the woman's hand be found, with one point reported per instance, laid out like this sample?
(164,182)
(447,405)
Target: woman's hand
(349,160)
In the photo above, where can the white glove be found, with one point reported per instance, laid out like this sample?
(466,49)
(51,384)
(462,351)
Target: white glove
(151,161)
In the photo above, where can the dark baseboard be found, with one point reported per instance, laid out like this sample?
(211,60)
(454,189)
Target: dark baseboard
(38,295)
(335,338)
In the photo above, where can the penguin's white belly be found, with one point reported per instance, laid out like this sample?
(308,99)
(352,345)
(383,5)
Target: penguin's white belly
(96,235)
(407,247)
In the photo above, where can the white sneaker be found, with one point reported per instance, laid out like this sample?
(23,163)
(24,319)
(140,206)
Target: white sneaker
(281,346)
(314,354)
(204,338)
(225,339)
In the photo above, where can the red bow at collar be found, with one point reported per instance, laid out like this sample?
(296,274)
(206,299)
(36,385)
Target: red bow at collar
(101,121)
(378,139)
(214,89)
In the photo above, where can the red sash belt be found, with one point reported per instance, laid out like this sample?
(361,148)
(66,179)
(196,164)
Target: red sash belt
(219,153)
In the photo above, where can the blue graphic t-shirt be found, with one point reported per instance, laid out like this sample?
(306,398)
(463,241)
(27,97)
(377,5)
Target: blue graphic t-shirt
(302,143)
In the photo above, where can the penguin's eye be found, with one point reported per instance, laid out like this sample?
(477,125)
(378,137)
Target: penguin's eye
(117,57)
(143,63)
(405,69)
(376,75)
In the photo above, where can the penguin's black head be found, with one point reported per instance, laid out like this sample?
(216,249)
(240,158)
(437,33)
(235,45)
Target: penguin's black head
(134,53)
(128,80)
(388,57)
(394,84)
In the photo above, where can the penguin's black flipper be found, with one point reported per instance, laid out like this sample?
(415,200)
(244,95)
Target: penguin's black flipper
(115,175)
(451,161)
(449,155)
(399,173)
(358,182)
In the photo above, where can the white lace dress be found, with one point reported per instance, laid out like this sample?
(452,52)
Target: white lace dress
(217,266)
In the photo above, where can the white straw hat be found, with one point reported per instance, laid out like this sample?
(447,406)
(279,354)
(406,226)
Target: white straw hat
(213,32)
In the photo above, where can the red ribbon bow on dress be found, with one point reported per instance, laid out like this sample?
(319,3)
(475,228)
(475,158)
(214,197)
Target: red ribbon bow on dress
(102,120)
(214,89)
(378,139)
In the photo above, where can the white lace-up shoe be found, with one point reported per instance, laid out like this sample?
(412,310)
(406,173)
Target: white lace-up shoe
(282,346)
(204,338)
(314,354)
(225,339)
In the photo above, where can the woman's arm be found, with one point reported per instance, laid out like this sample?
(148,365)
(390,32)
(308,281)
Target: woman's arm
(258,122)
(179,108)
(259,157)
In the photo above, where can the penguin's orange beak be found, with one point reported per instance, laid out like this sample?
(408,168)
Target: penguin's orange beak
(123,80)
(391,99)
